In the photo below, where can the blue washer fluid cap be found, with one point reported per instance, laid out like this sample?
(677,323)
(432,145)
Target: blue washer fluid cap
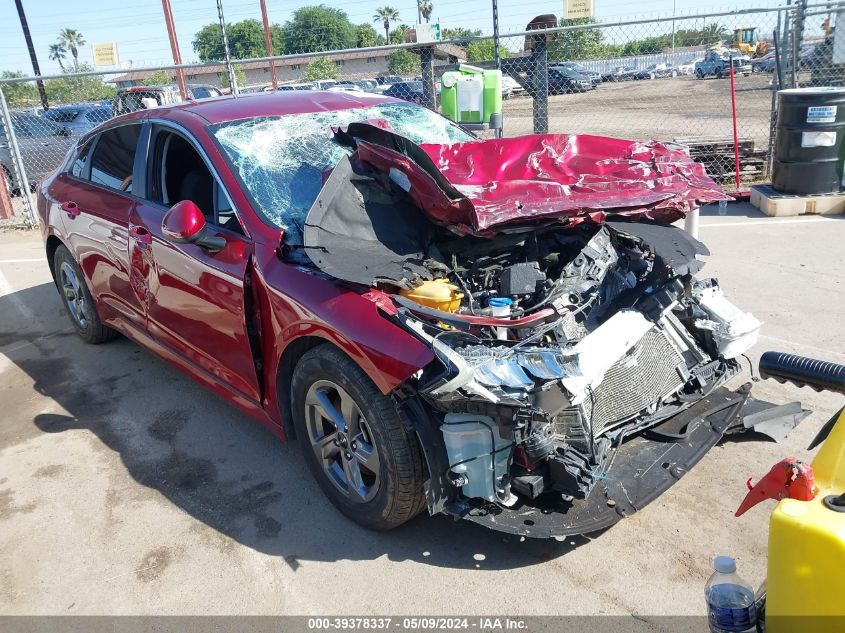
(499,302)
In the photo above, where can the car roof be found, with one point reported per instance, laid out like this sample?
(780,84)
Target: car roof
(278,103)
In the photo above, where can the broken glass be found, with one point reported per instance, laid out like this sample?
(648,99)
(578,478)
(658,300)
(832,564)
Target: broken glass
(282,160)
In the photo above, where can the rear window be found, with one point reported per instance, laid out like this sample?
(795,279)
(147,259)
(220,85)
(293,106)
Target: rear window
(114,157)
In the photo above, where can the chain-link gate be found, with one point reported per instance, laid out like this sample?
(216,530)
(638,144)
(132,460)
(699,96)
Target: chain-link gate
(685,79)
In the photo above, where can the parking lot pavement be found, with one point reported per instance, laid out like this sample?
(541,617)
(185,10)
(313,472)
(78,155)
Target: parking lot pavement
(125,488)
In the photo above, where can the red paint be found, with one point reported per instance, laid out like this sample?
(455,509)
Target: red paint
(183,222)
(789,478)
(190,306)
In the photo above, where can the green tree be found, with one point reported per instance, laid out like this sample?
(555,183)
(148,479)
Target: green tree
(240,77)
(459,34)
(246,39)
(322,68)
(58,53)
(77,89)
(366,35)
(578,44)
(158,78)
(318,28)
(426,9)
(403,62)
(21,94)
(482,50)
(397,35)
(71,40)
(386,15)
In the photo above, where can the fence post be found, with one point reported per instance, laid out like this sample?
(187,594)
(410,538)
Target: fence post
(797,38)
(429,97)
(233,80)
(14,149)
(540,79)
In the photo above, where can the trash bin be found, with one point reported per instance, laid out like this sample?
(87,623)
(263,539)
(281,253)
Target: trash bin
(809,141)
(472,97)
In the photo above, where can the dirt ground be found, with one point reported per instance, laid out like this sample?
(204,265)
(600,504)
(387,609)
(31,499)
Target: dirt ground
(125,488)
(661,109)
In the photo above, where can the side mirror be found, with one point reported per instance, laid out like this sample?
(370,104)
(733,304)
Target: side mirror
(185,224)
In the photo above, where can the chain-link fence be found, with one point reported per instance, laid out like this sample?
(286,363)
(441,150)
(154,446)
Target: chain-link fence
(707,81)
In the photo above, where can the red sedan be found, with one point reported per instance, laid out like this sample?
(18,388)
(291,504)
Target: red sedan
(441,321)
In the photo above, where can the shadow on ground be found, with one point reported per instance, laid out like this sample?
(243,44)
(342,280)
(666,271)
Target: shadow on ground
(209,460)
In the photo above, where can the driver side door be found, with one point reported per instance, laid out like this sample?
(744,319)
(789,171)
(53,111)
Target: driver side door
(197,301)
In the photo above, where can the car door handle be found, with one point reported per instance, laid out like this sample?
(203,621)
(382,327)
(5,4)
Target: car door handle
(71,208)
(141,235)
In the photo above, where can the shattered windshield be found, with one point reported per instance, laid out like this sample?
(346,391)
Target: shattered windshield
(281,160)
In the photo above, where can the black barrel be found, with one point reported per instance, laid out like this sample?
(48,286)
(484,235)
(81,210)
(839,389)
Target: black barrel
(809,140)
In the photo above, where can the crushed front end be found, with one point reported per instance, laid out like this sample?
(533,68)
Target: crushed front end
(580,362)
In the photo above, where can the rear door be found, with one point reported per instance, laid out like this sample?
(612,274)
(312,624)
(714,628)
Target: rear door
(97,199)
(198,301)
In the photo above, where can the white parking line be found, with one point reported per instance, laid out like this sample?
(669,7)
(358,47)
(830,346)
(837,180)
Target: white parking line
(22,261)
(770,222)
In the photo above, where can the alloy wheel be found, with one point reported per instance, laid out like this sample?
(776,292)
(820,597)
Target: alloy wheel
(77,305)
(342,441)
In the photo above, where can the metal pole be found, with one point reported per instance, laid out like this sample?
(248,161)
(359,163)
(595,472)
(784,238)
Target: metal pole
(427,73)
(26,35)
(733,116)
(233,81)
(540,64)
(268,40)
(174,47)
(496,35)
(23,181)
(797,37)
(673,26)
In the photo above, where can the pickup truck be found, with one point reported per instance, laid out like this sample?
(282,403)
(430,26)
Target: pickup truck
(718,65)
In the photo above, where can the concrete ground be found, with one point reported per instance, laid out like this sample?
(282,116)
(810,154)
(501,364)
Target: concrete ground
(127,489)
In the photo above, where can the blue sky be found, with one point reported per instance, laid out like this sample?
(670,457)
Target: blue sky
(138,26)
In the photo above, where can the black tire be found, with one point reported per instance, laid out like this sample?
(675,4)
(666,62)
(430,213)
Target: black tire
(699,74)
(88,326)
(719,73)
(399,494)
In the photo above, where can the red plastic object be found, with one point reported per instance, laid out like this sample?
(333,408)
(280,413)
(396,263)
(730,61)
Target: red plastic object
(183,222)
(789,478)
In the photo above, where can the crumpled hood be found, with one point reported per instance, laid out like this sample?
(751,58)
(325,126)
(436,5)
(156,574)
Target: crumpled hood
(478,186)
(559,175)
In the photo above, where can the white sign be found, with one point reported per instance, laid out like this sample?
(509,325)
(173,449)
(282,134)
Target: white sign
(428,32)
(574,9)
(105,54)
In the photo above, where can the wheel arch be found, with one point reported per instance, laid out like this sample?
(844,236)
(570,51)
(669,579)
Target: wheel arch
(51,246)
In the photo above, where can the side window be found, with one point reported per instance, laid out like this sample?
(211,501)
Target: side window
(114,157)
(180,173)
(77,167)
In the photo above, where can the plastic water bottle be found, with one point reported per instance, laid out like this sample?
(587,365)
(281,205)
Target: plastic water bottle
(730,600)
(723,207)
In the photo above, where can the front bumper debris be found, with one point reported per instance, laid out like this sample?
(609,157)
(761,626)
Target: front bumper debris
(642,468)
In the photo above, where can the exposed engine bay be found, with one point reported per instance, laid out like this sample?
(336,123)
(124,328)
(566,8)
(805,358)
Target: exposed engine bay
(556,340)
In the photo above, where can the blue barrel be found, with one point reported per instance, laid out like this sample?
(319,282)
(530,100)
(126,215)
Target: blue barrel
(809,140)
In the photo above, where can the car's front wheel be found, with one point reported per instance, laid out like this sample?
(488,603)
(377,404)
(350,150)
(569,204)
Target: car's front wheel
(354,442)
(77,299)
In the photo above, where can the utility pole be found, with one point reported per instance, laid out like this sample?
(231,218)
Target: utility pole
(268,39)
(233,80)
(673,28)
(41,92)
(174,47)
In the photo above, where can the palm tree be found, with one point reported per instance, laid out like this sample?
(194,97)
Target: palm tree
(71,40)
(426,8)
(386,15)
(57,54)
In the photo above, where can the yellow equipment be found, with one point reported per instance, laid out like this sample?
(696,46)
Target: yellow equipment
(746,40)
(805,584)
(437,293)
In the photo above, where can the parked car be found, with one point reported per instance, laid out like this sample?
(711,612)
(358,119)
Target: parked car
(621,73)
(594,76)
(657,71)
(324,84)
(134,98)
(204,91)
(565,80)
(511,87)
(764,64)
(42,143)
(78,118)
(300,86)
(407,90)
(717,64)
(389,79)
(306,287)
(687,68)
